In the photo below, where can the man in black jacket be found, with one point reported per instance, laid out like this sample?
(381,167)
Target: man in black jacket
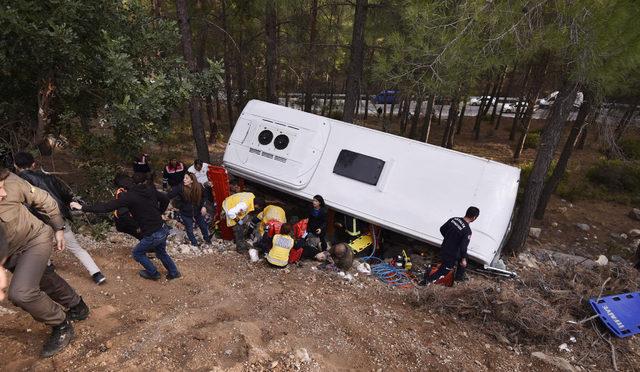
(453,251)
(26,167)
(146,205)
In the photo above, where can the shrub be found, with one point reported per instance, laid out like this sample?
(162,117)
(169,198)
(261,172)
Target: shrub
(532,140)
(616,175)
(631,148)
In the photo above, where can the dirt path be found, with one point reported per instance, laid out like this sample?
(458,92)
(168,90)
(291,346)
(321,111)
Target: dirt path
(233,315)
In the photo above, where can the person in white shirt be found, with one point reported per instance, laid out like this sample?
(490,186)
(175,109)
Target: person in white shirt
(200,169)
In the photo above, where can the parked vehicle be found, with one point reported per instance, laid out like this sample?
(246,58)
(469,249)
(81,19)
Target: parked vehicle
(513,107)
(477,101)
(549,100)
(402,185)
(386,96)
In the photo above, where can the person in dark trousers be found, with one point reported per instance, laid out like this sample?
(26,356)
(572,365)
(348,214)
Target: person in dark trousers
(190,201)
(122,218)
(27,243)
(318,220)
(453,251)
(63,195)
(173,174)
(146,205)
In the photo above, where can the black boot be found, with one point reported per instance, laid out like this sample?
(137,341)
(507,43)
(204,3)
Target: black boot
(60,337)
(78,312)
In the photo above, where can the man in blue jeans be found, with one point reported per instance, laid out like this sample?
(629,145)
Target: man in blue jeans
(146,205)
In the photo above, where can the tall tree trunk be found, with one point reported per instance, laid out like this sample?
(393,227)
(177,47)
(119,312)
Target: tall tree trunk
(449,131)
(582,139)
(483,103)
(241,77)
(507,92)
(311,57)
(45,95)
(426,124)
(333,91)
(523,93)
(366,105)
(157,8)
(551,185)
(354,71)
(391,107)
(271,43)
(227,65)
(461,116)
(440,115)
(548,143)
(218,110)
(405,117)
(400,108)
(213,127)
(357,110)
(623,124)
(197,128)
(497,94)
(416,116)
(536,86)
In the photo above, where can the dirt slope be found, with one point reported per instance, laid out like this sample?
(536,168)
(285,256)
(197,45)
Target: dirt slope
(230,314)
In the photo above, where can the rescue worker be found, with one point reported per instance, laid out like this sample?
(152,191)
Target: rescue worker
(146,205)
(270,212)
(281,247)
(453,251)
(238,209)
(26,166)
(342,256)
(347,227)
(35,286)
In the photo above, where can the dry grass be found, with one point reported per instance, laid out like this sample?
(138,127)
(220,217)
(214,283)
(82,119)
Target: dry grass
(536,309)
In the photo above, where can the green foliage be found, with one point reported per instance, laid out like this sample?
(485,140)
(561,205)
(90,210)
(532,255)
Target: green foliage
(616,175)
(532,140)
(631,148)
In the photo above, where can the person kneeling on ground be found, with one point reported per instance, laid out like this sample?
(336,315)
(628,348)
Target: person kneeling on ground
(453,251)
(239,210)
(281,246)
(146,205)
(190,201)
(26,244)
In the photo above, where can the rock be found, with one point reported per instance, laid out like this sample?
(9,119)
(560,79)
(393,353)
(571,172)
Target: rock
(554,224)
(528,260)
(634,233)
(500,265)
(228,352)
(564,259)
(635,214)
(583,226)
(303,355)
(534,232)
(558,362)
(602,260)
(617,259)
(564,347)
(185,248)
(562,210)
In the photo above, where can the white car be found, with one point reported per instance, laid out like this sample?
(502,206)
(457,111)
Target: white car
(476,101)
(513,107)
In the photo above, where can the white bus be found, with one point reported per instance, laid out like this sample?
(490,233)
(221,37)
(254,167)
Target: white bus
(399,184)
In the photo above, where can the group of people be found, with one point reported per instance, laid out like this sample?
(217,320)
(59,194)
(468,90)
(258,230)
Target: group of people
(35,210)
